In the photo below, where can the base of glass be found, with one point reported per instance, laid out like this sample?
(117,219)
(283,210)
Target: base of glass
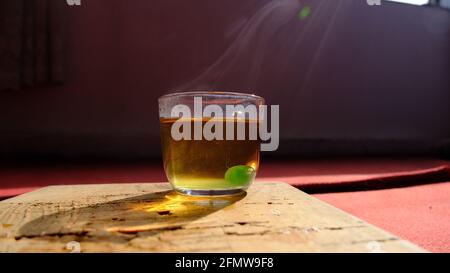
(210,192)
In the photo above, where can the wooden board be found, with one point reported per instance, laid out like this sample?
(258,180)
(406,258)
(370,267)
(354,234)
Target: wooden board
(271,217)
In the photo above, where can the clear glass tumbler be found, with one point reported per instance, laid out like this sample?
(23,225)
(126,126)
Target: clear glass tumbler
(208,141)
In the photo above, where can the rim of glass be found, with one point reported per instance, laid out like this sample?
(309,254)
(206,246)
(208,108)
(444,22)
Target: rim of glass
(213,93)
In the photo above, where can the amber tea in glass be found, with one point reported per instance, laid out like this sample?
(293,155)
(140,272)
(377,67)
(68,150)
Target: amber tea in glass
(223,166)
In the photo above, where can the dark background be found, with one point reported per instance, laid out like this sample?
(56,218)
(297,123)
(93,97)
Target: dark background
(349,78)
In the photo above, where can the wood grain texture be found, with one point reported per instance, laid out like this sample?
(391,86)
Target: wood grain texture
(271,217)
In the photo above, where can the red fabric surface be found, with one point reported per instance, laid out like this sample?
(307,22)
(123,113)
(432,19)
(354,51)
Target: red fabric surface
(396,202)
(334,175)
(305,174)
(20,179)
(420,214)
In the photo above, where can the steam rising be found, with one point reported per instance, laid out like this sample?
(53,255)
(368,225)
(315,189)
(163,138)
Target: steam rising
(243,59)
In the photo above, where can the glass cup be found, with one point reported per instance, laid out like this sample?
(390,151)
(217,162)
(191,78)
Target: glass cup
(210,142)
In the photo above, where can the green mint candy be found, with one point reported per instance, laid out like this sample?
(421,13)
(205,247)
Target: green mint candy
(240,175)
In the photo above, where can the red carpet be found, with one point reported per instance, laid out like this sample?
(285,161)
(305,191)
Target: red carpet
(408,197)
(348,175)
(420,214)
